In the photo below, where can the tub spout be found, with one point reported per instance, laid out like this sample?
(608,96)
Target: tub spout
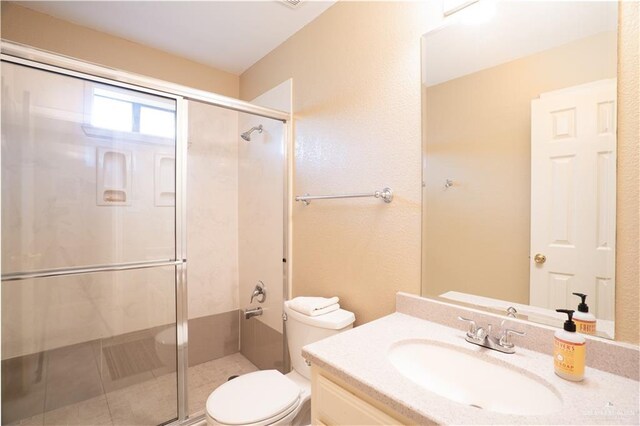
(252,312)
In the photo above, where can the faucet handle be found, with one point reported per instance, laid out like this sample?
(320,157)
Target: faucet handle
(472,326)
(260,292)
(505,338)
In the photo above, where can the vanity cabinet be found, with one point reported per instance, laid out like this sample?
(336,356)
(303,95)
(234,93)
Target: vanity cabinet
(333,402)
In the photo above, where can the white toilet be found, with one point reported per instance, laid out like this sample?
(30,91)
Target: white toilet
(165,343)
(269,397)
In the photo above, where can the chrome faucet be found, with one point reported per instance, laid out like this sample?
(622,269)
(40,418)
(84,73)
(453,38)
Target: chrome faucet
(481,336)
(252,312)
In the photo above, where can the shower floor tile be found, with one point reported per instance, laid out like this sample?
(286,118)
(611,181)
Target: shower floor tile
(29,421)
(149,402)
(94,411)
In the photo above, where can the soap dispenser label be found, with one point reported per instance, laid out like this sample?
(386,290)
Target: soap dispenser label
(569,357)
(585,327)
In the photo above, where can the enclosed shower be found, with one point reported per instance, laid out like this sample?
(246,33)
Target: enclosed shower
(136,222)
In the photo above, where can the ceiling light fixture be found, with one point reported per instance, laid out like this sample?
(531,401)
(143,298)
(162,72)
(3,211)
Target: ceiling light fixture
(292,3)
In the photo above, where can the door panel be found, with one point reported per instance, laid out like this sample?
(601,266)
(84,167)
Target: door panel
(573,154)
(82,350)
(82,187)
(74,193)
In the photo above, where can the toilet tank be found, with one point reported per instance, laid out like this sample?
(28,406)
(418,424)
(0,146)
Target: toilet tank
(303,330)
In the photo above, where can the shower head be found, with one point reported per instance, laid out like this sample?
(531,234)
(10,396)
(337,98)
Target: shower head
(247,135)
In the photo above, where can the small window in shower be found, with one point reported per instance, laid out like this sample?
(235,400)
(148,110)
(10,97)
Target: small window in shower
(112,111)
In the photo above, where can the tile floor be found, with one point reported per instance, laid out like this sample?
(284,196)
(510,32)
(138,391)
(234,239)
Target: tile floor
(148,402)
(205,377)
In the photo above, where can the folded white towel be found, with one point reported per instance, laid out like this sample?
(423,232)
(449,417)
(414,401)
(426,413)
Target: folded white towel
(330,308)
(313,306)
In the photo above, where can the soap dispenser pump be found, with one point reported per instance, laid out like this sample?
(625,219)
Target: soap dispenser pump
(585,321)
(569,350)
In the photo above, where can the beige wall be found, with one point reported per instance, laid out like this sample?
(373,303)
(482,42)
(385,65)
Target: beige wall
(356,86)
(478,132)
(45,32)
(357,105)
(212,210)
(628,208)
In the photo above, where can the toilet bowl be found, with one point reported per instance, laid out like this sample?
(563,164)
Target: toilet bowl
(269,397)
(165,344)
(265,397)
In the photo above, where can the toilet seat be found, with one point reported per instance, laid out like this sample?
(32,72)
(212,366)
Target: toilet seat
(257,399)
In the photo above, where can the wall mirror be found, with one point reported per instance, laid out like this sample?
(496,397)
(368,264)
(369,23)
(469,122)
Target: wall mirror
(519,158)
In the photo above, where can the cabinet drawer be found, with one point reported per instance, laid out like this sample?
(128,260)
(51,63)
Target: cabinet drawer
(336,406)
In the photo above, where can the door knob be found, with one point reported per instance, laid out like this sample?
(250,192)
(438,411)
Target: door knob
(540,258)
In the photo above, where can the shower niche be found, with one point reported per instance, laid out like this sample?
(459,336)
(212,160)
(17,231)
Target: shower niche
(113,183)
(165,184)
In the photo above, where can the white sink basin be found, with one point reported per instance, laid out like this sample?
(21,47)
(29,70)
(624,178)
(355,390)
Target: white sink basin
(464,377)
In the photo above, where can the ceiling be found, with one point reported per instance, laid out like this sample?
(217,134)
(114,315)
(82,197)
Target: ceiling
(490,33)
(228,35)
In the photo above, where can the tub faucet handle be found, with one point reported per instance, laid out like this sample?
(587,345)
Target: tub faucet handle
(259,293)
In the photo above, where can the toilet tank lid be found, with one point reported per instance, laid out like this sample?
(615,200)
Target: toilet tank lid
(335,320)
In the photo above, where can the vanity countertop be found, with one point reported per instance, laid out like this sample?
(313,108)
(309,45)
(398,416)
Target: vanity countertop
(359,358)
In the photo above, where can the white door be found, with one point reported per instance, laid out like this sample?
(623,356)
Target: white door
(573,190)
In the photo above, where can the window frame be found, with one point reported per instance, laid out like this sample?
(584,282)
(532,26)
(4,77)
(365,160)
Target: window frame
(139,101)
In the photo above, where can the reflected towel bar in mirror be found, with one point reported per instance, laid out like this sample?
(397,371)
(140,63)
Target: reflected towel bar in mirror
(386,195)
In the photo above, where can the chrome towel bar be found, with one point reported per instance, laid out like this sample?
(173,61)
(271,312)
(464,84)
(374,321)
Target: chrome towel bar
(386,195)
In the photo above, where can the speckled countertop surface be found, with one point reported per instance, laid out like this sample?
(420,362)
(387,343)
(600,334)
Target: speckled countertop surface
(359,357)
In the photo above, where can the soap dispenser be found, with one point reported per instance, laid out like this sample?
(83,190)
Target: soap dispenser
(585,322)
(569,350)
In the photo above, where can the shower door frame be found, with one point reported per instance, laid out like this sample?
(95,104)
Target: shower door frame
(39,59)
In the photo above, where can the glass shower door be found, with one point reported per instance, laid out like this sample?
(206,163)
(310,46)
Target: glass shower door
(89,260)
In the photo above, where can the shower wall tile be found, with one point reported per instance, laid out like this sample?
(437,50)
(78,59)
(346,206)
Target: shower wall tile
(66,226)
(23,387)
(54,312)
(212,212)
(261,183)
(213,337)
(261,344)
(72,376)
